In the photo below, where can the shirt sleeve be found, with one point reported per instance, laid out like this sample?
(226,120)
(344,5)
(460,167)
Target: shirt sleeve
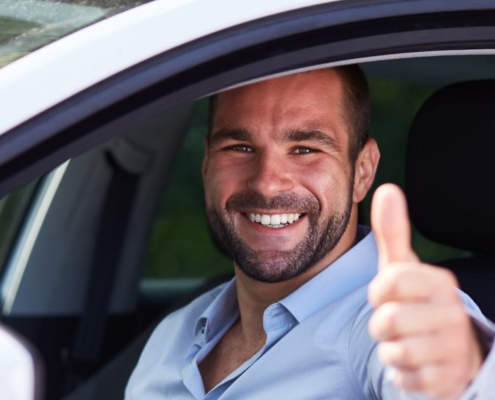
(482,386)
(381,378)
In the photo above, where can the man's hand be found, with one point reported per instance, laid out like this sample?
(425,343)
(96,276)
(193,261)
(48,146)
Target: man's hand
(419,320)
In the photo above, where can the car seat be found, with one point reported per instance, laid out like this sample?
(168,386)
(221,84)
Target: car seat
(450,164)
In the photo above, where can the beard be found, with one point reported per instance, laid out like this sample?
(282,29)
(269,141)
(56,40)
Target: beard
(274,265)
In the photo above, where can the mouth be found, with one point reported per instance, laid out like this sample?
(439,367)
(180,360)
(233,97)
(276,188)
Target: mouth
(275,221)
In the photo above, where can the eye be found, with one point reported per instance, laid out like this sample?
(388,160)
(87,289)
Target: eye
(241,148)
(303,150)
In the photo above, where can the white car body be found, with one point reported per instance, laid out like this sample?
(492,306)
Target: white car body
(57,71)
(68,106)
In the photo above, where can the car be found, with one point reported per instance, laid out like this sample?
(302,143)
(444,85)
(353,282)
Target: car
(103,110)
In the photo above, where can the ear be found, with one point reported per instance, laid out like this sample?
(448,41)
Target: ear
(365,170)
(204,166)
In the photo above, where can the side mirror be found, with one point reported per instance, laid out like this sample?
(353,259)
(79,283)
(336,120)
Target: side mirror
(19,368)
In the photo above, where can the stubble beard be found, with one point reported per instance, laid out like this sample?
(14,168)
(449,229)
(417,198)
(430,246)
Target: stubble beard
(278,266)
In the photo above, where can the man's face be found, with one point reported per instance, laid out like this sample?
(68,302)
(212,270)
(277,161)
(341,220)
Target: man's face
(277,175)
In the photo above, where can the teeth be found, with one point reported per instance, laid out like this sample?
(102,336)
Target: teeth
(277,220)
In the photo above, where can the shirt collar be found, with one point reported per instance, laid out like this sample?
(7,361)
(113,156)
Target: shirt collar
(221,311)
(353,269)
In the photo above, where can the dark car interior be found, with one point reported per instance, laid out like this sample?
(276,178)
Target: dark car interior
(128,242)
(449,167)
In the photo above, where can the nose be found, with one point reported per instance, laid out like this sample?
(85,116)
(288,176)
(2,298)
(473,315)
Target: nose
(270,175)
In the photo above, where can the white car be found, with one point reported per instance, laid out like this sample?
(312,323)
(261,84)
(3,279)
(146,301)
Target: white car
(103,109)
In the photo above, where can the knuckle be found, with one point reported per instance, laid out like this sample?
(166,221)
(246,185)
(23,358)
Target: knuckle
(374,290)
(383,353)
(389,313)
(405,356)
(382,323)
(393,353)
(374,326)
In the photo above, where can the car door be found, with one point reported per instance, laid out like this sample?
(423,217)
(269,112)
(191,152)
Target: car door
(108,105)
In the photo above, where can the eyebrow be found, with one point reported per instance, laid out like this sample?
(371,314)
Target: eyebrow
(229,134)
(311,135)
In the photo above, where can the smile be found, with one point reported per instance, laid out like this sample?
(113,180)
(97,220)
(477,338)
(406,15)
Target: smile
(273,221)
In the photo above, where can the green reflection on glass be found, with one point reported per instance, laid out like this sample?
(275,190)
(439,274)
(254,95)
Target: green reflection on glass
(26,25)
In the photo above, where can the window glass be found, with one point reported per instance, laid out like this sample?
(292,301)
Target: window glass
(26,25)
(13,208)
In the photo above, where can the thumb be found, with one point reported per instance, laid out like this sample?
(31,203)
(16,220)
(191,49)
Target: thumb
(391,226)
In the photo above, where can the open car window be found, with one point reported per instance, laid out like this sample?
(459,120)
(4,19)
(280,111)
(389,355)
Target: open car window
(180,247)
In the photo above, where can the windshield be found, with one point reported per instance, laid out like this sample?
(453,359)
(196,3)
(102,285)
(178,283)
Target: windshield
(26,25)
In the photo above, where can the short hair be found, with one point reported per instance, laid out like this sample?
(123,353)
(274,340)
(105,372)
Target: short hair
(357,106)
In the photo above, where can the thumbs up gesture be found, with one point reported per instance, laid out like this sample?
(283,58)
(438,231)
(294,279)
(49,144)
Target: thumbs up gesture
(419,320)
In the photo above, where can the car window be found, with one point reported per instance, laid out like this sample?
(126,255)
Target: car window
(26,25)
(13,209)
(181,247)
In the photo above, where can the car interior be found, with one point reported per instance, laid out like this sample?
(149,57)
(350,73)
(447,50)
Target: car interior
(95,253)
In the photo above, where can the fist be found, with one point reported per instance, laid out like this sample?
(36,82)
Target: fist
(419,320)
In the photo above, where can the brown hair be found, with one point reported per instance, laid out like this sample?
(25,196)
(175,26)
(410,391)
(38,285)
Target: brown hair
(357,106)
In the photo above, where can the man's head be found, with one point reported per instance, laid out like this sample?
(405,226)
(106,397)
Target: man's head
(289,148)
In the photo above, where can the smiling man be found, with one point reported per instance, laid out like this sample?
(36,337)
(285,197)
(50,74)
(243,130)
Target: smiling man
(286,163)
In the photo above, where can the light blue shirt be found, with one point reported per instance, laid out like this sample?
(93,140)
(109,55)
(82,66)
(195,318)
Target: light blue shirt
(317,346)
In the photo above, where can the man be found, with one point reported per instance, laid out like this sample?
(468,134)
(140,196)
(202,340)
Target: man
(286,163)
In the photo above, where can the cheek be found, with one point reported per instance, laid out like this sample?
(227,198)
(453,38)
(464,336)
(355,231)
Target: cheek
(219,183)
(328,182)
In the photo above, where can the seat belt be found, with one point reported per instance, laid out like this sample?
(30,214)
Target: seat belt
(114,220)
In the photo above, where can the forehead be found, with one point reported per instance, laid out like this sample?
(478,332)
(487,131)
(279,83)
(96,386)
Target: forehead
(312,98)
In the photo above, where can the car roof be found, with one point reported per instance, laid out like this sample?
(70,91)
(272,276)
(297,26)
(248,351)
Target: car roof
(86,57)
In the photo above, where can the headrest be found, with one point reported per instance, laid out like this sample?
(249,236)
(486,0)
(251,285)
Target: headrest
(450,167)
